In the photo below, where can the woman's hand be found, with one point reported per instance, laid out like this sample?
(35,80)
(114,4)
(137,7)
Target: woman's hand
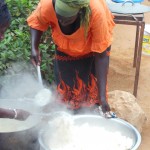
(35,57)
(21,114)
(105,106)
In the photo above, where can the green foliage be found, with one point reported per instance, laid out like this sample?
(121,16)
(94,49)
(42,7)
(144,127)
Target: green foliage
(16,45)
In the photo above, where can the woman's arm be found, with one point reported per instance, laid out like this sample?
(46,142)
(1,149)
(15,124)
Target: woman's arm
(35,41)
(17,114)
(6,113)
(101,68)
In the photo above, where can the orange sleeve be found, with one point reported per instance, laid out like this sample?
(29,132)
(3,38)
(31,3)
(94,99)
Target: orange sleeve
(40,18)
(102,25)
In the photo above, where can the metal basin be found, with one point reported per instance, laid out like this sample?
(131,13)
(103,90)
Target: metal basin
(18,125)
(19,135)
(111,125)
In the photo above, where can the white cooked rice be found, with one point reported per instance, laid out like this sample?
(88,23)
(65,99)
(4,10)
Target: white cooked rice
(65,135)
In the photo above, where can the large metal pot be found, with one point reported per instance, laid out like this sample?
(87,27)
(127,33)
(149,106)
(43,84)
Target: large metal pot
(19,135)
(115,124)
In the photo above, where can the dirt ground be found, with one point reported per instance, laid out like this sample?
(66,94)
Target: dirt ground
(121,73)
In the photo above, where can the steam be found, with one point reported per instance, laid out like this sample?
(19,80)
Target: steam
(20,88)
(19,82)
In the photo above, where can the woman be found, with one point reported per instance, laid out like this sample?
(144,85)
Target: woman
(82,32)
(4,24)
(4,18)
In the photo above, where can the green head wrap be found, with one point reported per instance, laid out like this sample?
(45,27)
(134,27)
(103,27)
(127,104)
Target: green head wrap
(65,10)
(69,8)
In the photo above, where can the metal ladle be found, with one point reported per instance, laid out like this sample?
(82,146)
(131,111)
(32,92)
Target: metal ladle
(39,75)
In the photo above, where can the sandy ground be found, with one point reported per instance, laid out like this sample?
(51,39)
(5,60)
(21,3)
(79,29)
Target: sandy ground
(121,73)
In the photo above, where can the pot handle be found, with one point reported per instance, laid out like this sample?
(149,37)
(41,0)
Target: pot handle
(128,1)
